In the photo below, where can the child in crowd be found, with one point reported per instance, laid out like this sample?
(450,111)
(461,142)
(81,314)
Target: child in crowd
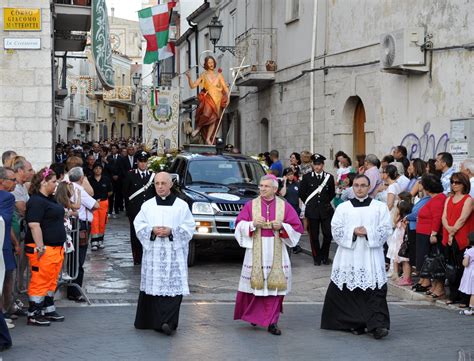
(347,191)
(467,281)
(394,243)
(289,190)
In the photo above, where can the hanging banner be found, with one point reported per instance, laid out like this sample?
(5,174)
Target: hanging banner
(101,48)
(161,118)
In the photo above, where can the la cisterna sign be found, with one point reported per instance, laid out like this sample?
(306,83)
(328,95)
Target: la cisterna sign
(22,43)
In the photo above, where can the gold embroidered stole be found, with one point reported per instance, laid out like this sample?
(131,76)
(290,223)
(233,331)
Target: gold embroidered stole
(276,278)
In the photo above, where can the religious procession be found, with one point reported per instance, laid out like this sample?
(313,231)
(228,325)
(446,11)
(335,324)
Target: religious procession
(194,178)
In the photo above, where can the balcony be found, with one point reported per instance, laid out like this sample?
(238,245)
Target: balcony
(165,78)
(72,22)
(258,46)
(120,97)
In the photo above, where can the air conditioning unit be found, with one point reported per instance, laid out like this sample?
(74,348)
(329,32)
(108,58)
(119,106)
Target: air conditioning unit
(111,110)
(401,52)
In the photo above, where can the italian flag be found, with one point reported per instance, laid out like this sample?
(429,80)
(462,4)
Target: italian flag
(154,23)
(154,97)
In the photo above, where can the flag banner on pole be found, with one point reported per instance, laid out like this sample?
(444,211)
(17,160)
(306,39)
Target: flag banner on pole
(154,24)
(154,97)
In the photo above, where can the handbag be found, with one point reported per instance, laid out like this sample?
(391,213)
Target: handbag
(403,251)
(434,266)
(83,237)
(452,270)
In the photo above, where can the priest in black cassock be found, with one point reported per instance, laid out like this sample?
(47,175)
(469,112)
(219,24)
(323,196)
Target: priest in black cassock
(164,227)
(356,299)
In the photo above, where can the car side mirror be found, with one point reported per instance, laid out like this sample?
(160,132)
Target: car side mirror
(175,178)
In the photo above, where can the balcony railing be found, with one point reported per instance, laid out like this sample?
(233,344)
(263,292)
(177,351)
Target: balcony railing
(165,78)
(74,2)
(258,46)
(72,21)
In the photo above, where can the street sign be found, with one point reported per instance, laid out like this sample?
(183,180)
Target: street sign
(22,43)
(21,19)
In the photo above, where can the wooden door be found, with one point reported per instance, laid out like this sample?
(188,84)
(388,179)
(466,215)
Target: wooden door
(359,129)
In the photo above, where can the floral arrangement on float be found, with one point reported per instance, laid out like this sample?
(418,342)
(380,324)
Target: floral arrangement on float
(162,162)
(261,160)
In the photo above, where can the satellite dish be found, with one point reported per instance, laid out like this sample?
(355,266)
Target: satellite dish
(388,50)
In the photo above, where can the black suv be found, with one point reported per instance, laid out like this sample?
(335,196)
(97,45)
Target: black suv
(216,188)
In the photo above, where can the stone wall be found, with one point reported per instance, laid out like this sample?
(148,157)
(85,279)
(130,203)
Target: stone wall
(26,91)
(399,108)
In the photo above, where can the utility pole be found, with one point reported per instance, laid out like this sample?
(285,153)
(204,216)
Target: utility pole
(155,75)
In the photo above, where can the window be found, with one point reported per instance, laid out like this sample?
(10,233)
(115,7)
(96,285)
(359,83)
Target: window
(232,29)
(224,172)
(292,10)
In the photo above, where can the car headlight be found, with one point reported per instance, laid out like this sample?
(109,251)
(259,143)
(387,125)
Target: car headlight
(202,208)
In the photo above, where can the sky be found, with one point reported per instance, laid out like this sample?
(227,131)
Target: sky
(127,9)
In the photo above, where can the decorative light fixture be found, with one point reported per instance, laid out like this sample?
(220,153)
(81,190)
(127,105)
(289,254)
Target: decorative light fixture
(215,32)
(136,79)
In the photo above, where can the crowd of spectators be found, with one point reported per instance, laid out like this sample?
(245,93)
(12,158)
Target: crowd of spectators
(431,208)
(37,213)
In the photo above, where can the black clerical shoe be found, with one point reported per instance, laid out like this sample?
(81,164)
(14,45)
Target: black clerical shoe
(317,263)
(5,347)
(358,331)
(274,330)
(166,329)
(380,332)
(326,261)
(297,249)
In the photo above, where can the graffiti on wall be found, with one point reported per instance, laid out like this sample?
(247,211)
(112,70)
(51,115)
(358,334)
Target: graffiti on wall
(425,146)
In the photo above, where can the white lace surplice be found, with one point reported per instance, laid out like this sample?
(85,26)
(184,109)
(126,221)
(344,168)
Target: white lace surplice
(360,264)
(164,264)
(242,235)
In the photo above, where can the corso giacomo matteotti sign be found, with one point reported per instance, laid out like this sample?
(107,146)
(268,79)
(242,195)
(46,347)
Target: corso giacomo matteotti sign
(21,19)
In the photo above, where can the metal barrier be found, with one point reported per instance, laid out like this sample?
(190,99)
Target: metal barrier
(23,272)
(71,264)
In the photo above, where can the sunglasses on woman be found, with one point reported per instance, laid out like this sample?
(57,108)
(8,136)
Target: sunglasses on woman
(456,182)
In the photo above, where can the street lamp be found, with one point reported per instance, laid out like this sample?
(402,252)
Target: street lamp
(215,32)
(73,91)
(136,79)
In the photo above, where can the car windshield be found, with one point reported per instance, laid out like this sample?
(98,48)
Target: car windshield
(226,172)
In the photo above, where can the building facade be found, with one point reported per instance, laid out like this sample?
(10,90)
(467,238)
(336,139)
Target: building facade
(26,93)
(316,81)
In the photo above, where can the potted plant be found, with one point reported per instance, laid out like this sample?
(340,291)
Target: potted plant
(270,65)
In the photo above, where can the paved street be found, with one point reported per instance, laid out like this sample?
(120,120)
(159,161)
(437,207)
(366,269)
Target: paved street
(104,331)
(207,332)
(111,277)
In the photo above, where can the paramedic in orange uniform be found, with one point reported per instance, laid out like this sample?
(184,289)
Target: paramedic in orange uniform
(44,242)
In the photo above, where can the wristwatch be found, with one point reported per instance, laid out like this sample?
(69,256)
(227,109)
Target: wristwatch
(40,249)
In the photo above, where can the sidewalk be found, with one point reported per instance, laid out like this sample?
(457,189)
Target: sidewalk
(403,292)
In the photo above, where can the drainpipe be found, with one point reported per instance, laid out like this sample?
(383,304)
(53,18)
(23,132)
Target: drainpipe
(311,85)
(196,49)
(189,52)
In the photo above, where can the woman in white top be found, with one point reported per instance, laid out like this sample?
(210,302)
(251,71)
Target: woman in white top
(389,190)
